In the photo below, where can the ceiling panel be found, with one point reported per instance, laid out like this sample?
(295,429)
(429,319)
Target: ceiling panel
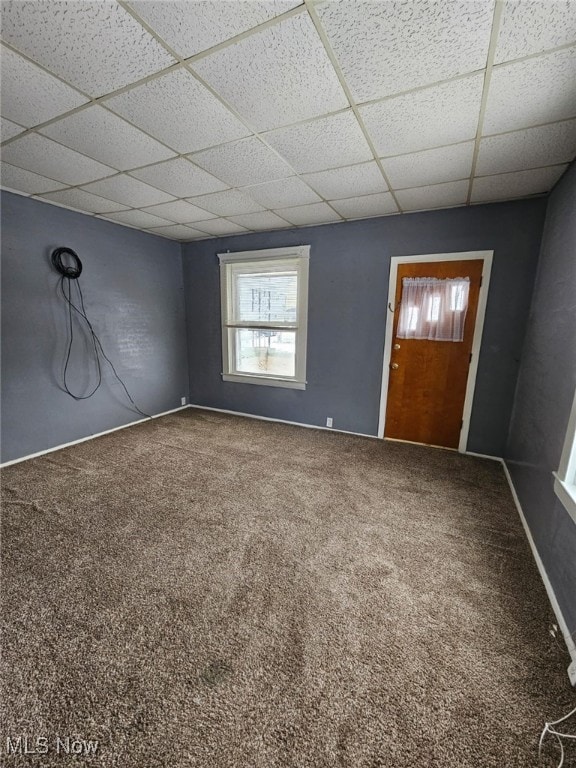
(219,227)
(530,92)
(432,117)
(368,205)
(8,129)
(95,46)
(532,26)
(260,221)
(83,201)
(283,193)
(229,202)
(390,47)
(40,155)
(438,196)
(302,215)
(178,232)
(352,181)
(128,191)
(179,212)
(244,162)
(180,178)
(179,111)
(21,180)
(321,144)
(192,27)
(531,148)
(431,166)
(277,76)
(139,219)
(107,138)
(518,184)
(30,95)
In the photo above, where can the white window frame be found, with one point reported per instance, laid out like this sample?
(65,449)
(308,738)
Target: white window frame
(565,478)
(297,256)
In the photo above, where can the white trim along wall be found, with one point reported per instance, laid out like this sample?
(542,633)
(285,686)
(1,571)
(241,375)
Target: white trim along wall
(486,256)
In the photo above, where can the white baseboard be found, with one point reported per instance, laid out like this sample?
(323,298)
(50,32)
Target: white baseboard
(282,421)
(90,437)
(568,638)
(483,456)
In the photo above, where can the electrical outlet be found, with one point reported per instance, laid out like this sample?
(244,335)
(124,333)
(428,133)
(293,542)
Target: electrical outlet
(329,421)
(183,400)
(572,673)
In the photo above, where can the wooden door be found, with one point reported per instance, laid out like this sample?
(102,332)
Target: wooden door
(428,379)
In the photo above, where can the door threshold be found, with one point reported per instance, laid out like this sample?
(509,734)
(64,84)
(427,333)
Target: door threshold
(425,445)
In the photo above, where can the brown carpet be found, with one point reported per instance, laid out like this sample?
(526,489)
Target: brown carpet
(206,590)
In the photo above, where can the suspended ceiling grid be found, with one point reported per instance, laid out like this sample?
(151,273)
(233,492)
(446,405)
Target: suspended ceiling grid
(202,118)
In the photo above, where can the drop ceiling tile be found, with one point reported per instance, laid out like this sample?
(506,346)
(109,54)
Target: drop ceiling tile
(128,191)
(178,232)
(179,212)
(220,227)
(95,46)
(352,181)
(107,138)
(8,129)
(179,111)
(83,201)
(277,76)
(264,220)
(530,148)
(432,117)
(363,207)
(139,219)
(438,196)
(40,155)
(389,47)
(190,28)
(180,178)
(239,163)
(325,143)
(30,95)
(530,92)
(430,166)
(229,202)
(25,181)
(532,26)
(283,193)
(302,215)
(518,184)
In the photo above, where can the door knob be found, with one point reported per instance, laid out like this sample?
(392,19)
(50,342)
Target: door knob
(394,366)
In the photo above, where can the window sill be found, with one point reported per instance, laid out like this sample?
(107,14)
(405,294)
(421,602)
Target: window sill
(567,495)
(263,380)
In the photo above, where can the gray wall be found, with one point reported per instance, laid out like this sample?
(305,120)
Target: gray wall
(132,284)
(544,395)
(349,266)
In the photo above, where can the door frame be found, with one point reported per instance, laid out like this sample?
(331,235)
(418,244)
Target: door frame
(395,261)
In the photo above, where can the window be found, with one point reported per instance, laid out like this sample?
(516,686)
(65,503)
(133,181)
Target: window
(264,316)
(565,478)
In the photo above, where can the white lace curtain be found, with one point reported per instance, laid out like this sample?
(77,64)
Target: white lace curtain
(433,309)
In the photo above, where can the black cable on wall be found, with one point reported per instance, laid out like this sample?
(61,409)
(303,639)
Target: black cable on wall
(70,273)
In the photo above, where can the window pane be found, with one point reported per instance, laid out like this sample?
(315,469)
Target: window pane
(265,352)
(266,296)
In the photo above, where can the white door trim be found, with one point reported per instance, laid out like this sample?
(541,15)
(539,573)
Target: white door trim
(486,256)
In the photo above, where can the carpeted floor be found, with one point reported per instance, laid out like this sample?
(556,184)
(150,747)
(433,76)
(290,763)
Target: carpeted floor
(206,590)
